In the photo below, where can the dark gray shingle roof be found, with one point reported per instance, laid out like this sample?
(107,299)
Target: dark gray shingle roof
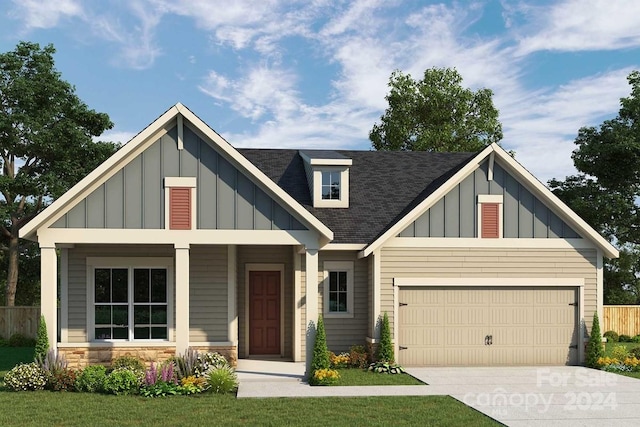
(383,186)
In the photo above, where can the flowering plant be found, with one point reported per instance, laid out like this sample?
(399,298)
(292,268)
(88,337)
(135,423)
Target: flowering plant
(324,377)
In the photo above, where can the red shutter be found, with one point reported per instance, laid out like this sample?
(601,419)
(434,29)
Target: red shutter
(180,208)
(490,221)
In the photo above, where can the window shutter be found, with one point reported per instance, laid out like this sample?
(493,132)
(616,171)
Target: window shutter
(180,208)
(490,221)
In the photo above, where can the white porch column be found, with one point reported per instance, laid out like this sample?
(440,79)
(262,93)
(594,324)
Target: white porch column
(182,298)
(375,297)
(232,311)
(48,292)
(311,275)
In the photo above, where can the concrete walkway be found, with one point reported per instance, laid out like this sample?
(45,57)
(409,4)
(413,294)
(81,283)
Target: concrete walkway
(514,396)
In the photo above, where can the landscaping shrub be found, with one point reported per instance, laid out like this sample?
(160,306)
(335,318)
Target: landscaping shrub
(186,363)
(636,339)
(342,360)
(192,385)
(21,340)
(122,381)
(222,379)
(358,356)
(62,380)
(386,368)
(324,377)
(206,361)
(611,336)
(25,376)
(130,362)
(385,347)
(624,338)
(91,379)
(320,352)
(619,352)
(42,341)
(3,342)
(594,347)
(55,370)
(635,352)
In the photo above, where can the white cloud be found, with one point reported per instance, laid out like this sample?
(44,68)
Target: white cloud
(121,137)
(577,25)
(45,13)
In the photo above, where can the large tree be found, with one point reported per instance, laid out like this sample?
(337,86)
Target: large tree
(46,143)
(606,191)
(436,114)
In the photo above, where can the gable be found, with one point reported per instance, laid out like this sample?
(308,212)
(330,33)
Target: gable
(456,214)
(134,197)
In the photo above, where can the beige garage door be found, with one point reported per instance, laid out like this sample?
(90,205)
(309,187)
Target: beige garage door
(489,326)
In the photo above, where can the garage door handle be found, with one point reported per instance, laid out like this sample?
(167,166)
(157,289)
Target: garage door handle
(488,340)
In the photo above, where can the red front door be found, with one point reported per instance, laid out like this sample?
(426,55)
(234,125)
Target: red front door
(264,312)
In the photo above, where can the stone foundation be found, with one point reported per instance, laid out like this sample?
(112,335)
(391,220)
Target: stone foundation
(79,357)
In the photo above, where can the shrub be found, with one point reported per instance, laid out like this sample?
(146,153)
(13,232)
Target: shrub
(386,368)
(611,336)
(320,358)
(186,363)
(192,385)
(3,342)
(222,379)
(619,352)
(636,339)
(129,362)
(385,347)
(54,366)
(206,361)
(122,381)
(26,376)
(324,377)
(91,379)
(359,357)
(594,347)
(21,340)
(63,380)
(635,352)
(624,338)
(342,360)
(42,341)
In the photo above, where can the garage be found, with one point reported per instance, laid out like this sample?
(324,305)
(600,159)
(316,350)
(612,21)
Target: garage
(491,326)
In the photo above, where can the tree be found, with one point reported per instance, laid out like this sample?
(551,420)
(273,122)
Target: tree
(385,346)
(320,351)
(42,341)
(594,346)
(436,114)
(606,191)
(46,142)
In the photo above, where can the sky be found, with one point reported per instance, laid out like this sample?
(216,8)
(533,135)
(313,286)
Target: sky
(314,73)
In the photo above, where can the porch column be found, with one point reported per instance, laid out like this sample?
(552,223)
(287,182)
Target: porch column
(182,298)
(48,291)
(375,297)
(232,312)
(311,275)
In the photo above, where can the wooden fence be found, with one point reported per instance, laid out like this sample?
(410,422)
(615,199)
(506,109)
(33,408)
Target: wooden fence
(22,320)
(624,319)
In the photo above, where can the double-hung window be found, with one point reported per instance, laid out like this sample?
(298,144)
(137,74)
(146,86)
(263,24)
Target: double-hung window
(338,289)
(130,298)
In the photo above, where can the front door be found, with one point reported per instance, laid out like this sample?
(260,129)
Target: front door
(264,312)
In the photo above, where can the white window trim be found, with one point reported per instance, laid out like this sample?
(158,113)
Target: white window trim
(318,201)
(490,198)
(129,263)
(181,182)
(338,266)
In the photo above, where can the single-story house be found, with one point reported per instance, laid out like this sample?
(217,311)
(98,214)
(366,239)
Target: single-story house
(181,240)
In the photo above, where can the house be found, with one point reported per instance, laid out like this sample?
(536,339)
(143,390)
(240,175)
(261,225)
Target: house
(180,240)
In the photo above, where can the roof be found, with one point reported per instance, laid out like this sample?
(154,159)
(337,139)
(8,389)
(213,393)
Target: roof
(383,186)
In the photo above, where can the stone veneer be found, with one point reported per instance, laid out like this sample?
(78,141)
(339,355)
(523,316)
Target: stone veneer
(79,357)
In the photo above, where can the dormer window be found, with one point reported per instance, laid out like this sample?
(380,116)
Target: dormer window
(328,178)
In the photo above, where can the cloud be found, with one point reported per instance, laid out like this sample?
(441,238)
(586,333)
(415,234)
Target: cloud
(45,14)
(578,25)
(121,137)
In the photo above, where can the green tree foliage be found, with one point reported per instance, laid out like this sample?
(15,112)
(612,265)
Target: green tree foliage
(384,352)
(606,191)
(320,351)
(594,347)
(46,143)
(42,341)
(28,293)
(436,114)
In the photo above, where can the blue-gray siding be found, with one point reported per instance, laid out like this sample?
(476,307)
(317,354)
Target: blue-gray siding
(455,215)
(133,198)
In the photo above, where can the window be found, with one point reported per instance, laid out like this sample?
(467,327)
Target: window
(331,185)
(338,289)
(489,216)
(130,302)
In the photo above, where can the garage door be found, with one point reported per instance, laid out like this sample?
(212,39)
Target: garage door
(490,326)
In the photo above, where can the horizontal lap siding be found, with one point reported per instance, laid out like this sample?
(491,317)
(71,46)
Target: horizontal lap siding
(208,294)
(342,333)
(488,262)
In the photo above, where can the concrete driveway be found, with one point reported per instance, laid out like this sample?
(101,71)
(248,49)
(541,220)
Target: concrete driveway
(541,396)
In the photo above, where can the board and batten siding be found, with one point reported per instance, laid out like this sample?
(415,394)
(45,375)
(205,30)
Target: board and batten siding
(208,293)
(133,198)
(456,214)
(342,333)
(77,286)
(487,263)
(265,255)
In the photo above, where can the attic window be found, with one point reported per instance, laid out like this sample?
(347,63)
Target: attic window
(328,178)
(180,203)
(330,185)
(489,216)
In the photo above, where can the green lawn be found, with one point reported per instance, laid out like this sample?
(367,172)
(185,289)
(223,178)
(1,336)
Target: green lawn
(62,409)
(362,377)
(11,356)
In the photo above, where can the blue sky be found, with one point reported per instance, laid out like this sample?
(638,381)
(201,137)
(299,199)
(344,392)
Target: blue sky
(314,73)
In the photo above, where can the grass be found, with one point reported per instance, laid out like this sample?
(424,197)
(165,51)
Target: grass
(362,377)
(11,356)
(50,408)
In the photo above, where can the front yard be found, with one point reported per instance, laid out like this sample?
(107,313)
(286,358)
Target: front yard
(608,352)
